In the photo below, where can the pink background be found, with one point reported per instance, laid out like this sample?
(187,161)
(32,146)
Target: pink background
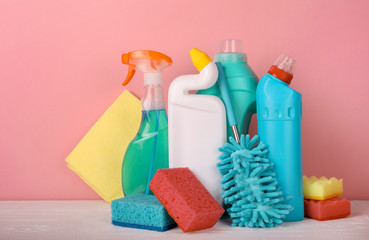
(60,70)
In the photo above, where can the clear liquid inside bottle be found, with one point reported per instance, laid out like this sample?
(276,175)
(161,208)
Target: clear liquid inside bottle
(148,151)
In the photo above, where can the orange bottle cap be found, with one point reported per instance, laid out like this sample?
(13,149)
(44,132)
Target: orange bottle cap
(280,74)
(283,68)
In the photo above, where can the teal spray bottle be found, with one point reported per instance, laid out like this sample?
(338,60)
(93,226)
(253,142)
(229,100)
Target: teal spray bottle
(279,112)
(148,151)
(241,81)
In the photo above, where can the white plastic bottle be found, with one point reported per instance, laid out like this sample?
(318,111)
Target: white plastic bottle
(197,124)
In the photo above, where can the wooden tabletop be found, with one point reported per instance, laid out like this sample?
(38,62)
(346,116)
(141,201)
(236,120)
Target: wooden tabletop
(92,220)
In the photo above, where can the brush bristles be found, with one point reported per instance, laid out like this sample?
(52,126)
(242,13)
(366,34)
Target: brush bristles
(250,185)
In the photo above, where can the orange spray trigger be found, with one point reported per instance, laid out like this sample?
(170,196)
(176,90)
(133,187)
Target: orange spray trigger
(131,73)
(148,62)
(125,58)
(131,69)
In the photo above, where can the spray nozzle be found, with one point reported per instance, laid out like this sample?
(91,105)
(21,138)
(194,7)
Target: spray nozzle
(147,61)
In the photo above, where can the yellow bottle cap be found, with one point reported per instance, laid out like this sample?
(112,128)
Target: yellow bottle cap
(199,58)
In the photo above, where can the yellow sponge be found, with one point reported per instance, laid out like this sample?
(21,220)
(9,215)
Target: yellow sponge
(322,188)
(98,157)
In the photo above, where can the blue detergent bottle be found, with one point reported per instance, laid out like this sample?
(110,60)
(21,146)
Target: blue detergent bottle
(279,112)
(241,81)
(148,151)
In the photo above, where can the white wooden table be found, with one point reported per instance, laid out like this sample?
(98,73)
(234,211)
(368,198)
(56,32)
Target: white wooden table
(92,220)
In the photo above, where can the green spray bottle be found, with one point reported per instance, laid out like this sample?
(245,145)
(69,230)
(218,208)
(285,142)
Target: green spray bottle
(148,151)
(241,81)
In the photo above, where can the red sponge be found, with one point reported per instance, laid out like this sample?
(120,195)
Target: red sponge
(184,197)
(327,209)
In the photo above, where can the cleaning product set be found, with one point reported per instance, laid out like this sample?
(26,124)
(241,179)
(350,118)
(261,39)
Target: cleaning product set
(258,179)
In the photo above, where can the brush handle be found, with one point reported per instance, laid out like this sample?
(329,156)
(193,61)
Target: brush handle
(227,101)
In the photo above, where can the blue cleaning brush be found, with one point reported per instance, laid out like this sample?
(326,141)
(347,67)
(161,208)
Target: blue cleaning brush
(248,183)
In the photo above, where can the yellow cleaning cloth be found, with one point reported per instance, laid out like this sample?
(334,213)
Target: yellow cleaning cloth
(98,157)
